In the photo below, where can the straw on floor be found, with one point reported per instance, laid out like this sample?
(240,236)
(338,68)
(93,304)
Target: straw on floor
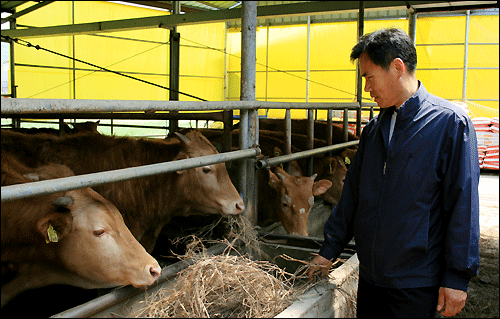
(227,285)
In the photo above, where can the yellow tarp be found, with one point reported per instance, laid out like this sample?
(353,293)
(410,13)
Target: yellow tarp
(281,59)
(201,70)
(440,43)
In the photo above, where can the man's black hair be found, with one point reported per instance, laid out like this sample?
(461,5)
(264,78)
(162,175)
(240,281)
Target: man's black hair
(385,45)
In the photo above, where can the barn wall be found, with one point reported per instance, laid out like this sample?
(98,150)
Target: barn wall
(281,59)
(440,42)
(140,53)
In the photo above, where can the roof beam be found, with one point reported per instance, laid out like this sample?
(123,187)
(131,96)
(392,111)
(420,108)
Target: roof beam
(167,21)
(25,11)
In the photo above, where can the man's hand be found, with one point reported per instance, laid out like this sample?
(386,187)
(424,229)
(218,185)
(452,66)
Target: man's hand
(450,301)
(319,264)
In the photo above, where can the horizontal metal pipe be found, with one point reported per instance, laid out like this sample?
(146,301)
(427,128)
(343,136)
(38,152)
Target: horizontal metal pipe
(308,105)
(116,296)
(23,105)
(268,162)
(20,191)
(146,116)
(298,241)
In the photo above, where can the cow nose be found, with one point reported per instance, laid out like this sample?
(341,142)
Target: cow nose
(155,272)
(240,207)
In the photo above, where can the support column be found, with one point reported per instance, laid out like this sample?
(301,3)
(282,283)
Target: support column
(359,80)
(174,66)
(249,121)
(466,57)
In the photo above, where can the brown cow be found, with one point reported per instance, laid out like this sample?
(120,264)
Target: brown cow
(148,203)
(299,126)
(77,128)
(332,168)
(282,197)
(75,238)
(288,199)
(88,126)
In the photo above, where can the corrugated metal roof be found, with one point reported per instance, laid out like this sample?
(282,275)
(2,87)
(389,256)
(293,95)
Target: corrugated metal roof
(391,9)
(9,6)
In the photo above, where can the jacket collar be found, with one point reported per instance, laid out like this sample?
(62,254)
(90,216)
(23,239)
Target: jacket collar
(406,112)
(409,109)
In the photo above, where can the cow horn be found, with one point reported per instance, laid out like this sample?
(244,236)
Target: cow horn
(63,201)
(32,176)
(281,176)
(314,176)
(183,138)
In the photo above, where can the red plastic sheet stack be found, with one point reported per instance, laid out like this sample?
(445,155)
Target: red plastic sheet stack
(491,158)
(487,140)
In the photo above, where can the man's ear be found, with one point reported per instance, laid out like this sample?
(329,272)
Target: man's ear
(399,66)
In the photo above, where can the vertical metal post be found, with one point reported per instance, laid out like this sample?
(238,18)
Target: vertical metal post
(359,81)
(288,138)
(310,140)
(466,58)
(61,127)
(267,58)
(227,115)
(345,126)
(412,24)
(249,126)
(174,66)
(310,112)
(16,121)
(13,87)
(226,80)
(307,57)
(329,131)
(73,38)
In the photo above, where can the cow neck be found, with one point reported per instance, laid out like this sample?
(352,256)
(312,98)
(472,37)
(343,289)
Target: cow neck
(31,253)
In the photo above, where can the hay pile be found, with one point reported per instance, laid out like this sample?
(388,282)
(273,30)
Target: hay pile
(227,285)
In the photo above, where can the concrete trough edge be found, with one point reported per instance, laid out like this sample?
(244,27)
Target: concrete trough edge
(328,299)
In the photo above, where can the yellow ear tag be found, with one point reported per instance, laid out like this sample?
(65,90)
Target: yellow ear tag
(52,235)
(347,160)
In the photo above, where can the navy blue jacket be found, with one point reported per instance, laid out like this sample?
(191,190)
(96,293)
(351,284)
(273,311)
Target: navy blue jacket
(412,205)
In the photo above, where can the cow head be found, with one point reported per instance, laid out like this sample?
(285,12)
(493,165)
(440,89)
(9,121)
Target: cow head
(93,242)
(333,169)
(208,189)
(296,195)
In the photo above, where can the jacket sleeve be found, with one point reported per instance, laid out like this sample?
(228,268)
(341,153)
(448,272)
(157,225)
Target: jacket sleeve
(461,206)
(338,230)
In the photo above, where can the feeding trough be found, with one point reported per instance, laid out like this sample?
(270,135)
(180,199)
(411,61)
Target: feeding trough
(331,297)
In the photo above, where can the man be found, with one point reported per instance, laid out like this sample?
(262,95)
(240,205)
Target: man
(410,197)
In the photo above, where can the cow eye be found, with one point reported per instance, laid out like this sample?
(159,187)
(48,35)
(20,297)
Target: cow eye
(98,232)
(206,169)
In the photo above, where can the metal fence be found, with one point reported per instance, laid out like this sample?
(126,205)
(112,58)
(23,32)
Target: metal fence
(19,107)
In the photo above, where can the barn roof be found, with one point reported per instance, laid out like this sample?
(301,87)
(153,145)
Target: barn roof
(268,12)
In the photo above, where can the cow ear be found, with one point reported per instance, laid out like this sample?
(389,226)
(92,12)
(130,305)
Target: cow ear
(277,151)
(55,226)
(181,156)
(273,179)
(321,186)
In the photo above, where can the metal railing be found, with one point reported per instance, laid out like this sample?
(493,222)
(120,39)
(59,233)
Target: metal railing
(20,106)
